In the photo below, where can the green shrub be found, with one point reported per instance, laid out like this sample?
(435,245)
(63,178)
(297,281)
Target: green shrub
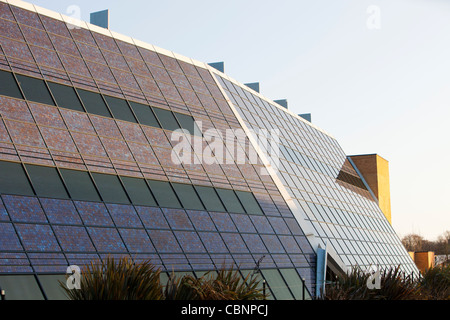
(435,283)
(353,286)
(123,279)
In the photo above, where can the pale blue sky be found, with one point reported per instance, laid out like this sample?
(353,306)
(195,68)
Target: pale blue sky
(384,91)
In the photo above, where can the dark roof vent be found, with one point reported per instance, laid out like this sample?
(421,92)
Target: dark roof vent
(283,103)
(253,86)
(218,66)
(100,18)
(306,116)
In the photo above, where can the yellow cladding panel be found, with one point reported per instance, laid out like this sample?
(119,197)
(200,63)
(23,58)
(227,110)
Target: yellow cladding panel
(375,171)
(384,189)
(424,260)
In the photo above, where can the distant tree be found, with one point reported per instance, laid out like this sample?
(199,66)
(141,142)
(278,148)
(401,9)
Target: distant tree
(413,242)
(444,243)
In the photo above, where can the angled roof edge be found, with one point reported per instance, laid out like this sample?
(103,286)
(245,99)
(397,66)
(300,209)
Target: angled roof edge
(243,86)
(107,32)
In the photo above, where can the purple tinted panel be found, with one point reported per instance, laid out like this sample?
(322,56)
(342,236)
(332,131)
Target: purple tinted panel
(262,224)
(164,241)
(170,63)
(177,219)
(77,121)
(76,66)
(124,215)
(129,50)
(3,214)
(47,58)
(14,109)
(272,243)
(290,244)
(83,35)
(73,239)
(37,237)
(106,239)
(201,220)
(24,209)
(94,213)
(304,244)
(106,127)
(282,261)
(81,258)
(279,225)
(37,37)
(150,57)
(64,45)
(5,11)
(152,218)
(294,226)
(254,243)
(115,60)
(105,42)
(8,238)
(27,17)
(213,242)
(11,30)
(59,140)
(223,221)
(243,223)
(25,133)
(136,240)
(60,211)
(234,242)
(55,26)
(89,144)
(46,115)
(190,242)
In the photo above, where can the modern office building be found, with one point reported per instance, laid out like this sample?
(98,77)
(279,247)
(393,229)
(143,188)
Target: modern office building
(93,163)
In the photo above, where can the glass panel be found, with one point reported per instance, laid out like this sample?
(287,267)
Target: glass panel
(13,179)
(210,198)
(35,90)
(46,182)
(65,96)
(110,188)
(144,114)
(120,109)
(164,194)
(294,282)
(80,185)
(188,123)
(93,102)
(138,191)
(22,287)
(9,86)
(277,285)
(249,202)
(230,200)
(51,286)
(188,196)
(167,119)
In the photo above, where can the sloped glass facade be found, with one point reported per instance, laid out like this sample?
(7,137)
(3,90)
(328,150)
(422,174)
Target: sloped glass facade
(330,196)
(87,170)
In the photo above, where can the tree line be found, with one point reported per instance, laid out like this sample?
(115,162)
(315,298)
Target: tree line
(414,242)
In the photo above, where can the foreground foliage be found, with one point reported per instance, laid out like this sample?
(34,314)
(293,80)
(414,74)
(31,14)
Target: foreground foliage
(435,283)
(394,285)
(123,279)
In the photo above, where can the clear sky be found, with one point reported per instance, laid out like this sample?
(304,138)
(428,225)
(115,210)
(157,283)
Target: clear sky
(374,74)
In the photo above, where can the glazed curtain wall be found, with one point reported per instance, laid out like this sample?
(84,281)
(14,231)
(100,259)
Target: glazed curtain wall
(86,102)
(324,186)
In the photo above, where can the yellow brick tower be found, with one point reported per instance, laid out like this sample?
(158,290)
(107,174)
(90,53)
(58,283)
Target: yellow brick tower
(375,171)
